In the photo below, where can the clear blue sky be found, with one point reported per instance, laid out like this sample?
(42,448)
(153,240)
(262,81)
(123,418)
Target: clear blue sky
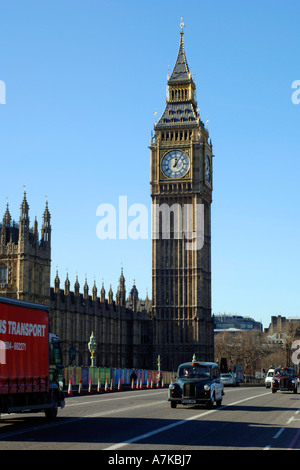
(83,80)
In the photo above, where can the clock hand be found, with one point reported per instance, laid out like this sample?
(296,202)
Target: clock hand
(178,159)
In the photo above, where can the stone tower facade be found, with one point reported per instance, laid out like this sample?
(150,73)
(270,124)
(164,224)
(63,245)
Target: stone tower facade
(181,191)
(25,258)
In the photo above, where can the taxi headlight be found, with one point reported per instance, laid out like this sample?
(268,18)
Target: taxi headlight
(206,387)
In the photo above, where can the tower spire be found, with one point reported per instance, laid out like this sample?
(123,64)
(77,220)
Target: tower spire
(181,107)
(181,72)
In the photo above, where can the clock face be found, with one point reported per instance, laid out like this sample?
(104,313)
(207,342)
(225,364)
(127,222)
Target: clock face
(207,169)
(175,164)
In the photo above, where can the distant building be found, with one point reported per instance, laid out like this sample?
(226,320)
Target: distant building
(280,327)
(223,322)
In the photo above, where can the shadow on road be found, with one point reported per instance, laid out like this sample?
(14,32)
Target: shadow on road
(179,433)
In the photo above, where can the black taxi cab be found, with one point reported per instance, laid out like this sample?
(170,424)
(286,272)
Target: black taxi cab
(197,383)
(284,379)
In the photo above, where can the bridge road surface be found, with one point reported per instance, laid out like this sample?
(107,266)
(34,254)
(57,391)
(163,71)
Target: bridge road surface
(250,418)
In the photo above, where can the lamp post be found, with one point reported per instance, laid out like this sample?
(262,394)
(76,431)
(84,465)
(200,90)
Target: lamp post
(92,347)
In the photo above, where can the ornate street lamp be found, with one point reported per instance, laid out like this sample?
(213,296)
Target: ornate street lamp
(92,348)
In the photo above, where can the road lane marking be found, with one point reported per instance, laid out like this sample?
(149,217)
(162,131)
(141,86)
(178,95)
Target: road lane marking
(177,423)
(79,418)
(278,433)
(124,409)
(289,421)
(111,399)
(157,431)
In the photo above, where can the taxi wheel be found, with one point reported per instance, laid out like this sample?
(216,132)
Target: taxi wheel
(211,403)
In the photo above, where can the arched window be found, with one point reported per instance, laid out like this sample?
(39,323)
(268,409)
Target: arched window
(3,274)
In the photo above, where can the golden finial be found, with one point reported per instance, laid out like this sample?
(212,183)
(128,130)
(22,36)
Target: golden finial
(181,26)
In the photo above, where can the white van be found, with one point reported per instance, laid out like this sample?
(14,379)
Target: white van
(269,377)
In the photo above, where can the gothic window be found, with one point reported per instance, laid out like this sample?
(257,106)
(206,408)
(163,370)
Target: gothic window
(3,274)
(40,281)
(30,275)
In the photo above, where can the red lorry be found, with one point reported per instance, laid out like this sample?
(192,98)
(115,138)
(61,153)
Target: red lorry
(31,371)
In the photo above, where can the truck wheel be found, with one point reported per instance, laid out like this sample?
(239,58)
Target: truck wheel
(51,413)
(173,404)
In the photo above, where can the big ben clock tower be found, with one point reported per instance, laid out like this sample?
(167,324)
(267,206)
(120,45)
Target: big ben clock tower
(181,191)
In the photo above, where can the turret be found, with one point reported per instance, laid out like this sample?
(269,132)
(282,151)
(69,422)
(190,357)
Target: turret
(67,285)
(6,223)
(94,292)
(76,286)
(85,289)
(121,292)
(24,220)
(56,283)
(46,227)
(102,293)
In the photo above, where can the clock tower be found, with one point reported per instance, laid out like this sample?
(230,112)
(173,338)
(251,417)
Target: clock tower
(181,191)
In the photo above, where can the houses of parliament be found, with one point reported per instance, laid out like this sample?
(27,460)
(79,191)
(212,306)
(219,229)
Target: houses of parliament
(131,332)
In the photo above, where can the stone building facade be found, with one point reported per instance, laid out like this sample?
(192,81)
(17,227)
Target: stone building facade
(25,259)
(281,326)
(122,325)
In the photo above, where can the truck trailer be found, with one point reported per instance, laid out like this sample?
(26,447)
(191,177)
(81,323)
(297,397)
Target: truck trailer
(31,371)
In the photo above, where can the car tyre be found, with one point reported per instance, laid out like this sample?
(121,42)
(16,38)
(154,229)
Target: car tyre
(51,413)
(173,404)
(211,403)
